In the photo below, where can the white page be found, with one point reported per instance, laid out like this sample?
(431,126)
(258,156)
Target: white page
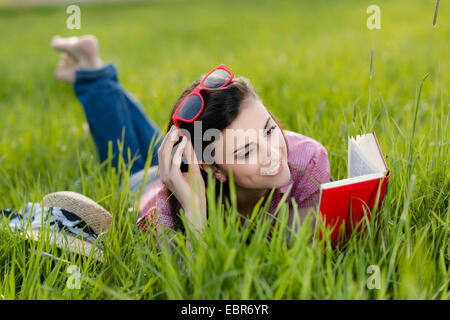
(358,163)
(364,145)
(348,181)
(377,156)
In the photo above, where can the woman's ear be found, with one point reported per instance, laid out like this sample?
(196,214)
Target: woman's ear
(219,174)
(221,177)
(215,171)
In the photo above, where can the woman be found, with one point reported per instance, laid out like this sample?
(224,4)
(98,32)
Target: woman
(273,158)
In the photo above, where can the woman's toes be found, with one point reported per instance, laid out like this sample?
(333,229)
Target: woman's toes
(63,44)
(84,50)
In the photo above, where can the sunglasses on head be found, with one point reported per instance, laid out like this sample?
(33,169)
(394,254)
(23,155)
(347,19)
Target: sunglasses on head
(192,106)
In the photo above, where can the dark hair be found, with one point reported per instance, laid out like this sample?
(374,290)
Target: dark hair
(221,108)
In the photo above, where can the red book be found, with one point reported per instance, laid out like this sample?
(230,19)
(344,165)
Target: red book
(344,203)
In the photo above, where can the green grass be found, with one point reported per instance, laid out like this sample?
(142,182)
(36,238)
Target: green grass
(310,63)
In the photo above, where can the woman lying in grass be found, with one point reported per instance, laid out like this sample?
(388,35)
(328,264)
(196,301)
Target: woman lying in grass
(265,156)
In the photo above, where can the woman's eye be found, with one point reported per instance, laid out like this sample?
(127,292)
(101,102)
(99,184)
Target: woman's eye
(245,155)
(268,132)
(270,129)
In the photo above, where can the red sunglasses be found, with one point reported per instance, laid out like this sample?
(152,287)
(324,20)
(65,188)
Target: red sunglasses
(192,106)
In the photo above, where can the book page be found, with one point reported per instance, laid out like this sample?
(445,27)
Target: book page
(364,144)
(377,156)
(358,163)
(368,144)
(348,181)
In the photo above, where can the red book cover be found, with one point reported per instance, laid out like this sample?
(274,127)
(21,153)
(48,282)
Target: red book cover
(347,201)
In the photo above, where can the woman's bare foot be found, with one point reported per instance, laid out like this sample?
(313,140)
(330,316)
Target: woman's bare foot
(79,53)
(65,70)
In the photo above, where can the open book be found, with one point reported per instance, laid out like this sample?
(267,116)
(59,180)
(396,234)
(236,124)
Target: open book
(347,201)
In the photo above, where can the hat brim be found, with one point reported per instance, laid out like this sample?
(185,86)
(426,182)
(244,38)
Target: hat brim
(67,241)
(94,215)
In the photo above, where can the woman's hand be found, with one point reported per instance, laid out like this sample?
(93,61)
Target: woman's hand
(193,200)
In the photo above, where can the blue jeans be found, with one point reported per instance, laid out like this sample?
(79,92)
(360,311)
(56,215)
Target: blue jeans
(110,109)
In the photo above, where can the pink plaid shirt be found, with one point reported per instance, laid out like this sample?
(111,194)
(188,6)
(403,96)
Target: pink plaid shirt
(304,152)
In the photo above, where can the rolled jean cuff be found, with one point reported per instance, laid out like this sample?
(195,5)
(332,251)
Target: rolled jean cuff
(85,76)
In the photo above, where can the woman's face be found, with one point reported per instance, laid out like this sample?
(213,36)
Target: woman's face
(253,148)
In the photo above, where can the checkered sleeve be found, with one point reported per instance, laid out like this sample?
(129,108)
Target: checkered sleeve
(316,172)
(156,213)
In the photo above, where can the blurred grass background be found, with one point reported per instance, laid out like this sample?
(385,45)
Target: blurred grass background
(309,62)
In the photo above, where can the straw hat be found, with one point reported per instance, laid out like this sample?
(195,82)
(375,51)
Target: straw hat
(94,215)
